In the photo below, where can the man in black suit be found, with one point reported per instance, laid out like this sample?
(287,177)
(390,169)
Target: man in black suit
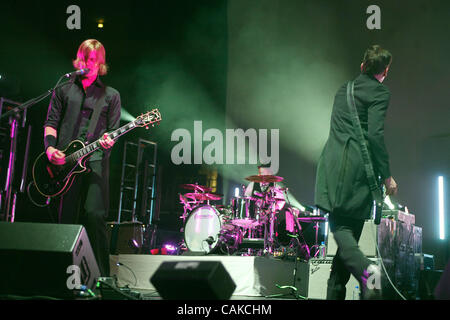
(69,117)
(342,188)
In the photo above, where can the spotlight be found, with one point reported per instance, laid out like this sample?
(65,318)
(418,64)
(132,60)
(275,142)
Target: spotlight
(170,248)
(134,244)
(100,23)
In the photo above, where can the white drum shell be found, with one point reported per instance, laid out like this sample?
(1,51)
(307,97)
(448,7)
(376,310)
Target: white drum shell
(203,223)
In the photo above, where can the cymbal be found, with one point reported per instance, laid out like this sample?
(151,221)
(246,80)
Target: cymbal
(264,178)
(195,187)
(247,198)
(203,196)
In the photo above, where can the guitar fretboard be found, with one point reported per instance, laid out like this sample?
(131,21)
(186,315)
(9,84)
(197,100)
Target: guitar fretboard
(79,154)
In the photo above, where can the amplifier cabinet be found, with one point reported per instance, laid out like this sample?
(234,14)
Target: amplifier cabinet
(312,280)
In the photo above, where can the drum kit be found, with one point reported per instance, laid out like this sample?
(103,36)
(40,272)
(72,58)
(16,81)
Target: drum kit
(265,218)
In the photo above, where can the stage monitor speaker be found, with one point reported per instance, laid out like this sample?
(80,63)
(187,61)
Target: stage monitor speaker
(41,259)
(193,280)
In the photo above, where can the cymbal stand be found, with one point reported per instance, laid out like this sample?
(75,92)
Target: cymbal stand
(316,244)
(186,209)
(268,223)
(293,289)
(295,213)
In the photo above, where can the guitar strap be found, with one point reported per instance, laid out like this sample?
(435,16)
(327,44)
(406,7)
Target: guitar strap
(373,184)
(93,122)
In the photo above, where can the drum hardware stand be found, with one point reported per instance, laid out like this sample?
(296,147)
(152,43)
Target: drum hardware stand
(271,231)
(293,288)
(295,216)
(316,244)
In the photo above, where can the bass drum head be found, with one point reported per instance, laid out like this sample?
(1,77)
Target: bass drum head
(203,224)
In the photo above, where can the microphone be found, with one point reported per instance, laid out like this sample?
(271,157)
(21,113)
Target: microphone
(77,73)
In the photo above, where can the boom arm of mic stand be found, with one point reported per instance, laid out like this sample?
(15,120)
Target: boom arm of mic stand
(33,101)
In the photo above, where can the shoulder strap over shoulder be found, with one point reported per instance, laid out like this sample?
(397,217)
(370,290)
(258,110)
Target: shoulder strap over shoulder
(373,184)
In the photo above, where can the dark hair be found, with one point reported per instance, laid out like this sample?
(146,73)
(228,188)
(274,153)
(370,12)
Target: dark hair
(376,59)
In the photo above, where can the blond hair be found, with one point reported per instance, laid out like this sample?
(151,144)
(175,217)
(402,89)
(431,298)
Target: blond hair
(83,54)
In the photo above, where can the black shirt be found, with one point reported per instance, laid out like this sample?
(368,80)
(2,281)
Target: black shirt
(71,109)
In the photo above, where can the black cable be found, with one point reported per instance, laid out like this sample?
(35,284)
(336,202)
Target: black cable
(134,275)
(31,199)
(117,290)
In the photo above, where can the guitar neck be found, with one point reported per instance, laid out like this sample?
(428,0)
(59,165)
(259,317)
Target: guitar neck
(90,148)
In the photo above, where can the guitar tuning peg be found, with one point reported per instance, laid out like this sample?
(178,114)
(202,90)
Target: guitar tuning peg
(146,127)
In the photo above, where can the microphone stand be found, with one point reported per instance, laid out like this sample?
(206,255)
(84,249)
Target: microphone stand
(34,101)
(14,115)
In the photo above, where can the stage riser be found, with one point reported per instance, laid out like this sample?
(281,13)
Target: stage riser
(253,276)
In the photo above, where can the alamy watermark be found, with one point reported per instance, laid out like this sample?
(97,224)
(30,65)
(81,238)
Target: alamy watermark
(374,20)
(74,20)
(74,280)
(374,281)
(230,149)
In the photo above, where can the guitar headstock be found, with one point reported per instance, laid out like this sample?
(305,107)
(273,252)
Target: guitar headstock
(148,118)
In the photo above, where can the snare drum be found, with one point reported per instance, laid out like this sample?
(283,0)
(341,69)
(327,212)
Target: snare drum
(246,213)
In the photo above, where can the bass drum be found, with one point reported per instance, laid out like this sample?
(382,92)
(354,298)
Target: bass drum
(202,229)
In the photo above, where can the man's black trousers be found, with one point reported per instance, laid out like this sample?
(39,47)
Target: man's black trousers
(87,203)
(349,259)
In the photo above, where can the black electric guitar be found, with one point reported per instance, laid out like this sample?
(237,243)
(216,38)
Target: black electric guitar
(53,180)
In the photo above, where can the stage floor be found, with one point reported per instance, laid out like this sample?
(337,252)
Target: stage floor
(253,276)
(256,278)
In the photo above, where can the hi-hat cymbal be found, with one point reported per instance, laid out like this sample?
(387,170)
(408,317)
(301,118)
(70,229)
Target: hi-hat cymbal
(264,178)
(203,196)
(195,187)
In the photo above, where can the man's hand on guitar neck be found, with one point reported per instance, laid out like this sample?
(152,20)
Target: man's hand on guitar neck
(106,142)
(391,186)
(55,156)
